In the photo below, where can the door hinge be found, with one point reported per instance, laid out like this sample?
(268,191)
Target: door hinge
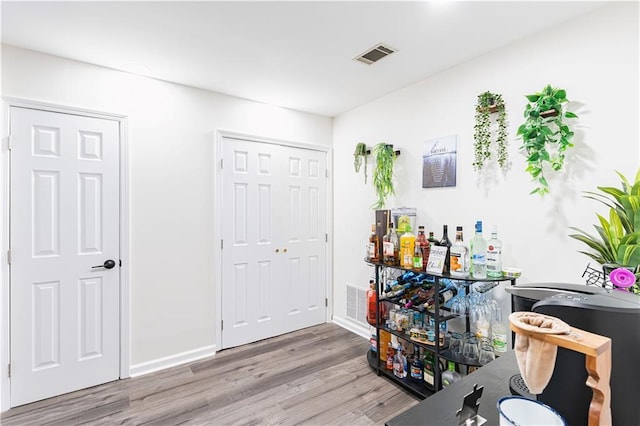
(9,257)
(9,370)
(326,238)
(8,139)
(326,302)
(120,263)
(221,324)
(221,244)
(221,163)
(326,173)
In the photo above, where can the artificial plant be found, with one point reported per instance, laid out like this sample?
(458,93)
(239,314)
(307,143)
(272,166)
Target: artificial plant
(545,134)
(618,240)
(383,173)
(360,158)
(489,103)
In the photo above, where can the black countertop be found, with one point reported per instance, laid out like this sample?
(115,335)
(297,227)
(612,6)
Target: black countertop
(440,409)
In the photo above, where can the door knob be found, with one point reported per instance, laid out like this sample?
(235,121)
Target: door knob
(108,264)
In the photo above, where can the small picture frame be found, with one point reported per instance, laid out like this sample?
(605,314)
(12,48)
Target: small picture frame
(437,258)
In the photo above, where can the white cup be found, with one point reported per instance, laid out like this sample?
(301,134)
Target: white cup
(519,411)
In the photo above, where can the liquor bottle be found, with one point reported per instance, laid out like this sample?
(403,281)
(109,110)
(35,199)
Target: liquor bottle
(400,364)
(407,246)
(494,255)
(373,247)
(371,303)
(390,246)
(421,239)
(478,252)
(417,256)
(428,369)
(451,375)
(459,257)
(416,366)
(498,333)
(390,354)
(445,242)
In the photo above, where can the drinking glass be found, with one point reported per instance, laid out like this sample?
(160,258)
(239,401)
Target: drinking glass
(470,349)
(455,344)
(486,354)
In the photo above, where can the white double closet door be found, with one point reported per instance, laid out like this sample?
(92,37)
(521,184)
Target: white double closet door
(274,225)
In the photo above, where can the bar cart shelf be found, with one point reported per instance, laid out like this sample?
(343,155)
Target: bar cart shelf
(440,314)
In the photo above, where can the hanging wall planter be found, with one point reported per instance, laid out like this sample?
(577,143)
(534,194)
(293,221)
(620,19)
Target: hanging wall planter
(490,103)
(360,159)
(545,135)
(383,173)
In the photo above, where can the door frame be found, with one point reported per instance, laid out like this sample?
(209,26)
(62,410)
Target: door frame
(217,214)
(5,187)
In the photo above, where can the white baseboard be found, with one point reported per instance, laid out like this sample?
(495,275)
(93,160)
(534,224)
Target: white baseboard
(352,326)
(171,361)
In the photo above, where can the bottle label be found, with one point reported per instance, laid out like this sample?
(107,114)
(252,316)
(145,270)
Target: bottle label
(416,372)
(417,262)
(371,250)
(428,377)
(388,249)
(499,342)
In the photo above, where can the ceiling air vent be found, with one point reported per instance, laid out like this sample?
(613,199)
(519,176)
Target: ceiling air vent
(374,54)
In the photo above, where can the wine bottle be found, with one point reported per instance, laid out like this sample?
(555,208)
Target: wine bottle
(373,247)
(445,242)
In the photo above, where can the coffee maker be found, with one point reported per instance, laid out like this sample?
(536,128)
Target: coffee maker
(611,313)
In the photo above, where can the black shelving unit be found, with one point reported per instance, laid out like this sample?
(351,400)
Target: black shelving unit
(440,314)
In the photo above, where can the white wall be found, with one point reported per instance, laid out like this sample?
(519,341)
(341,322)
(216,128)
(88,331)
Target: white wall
(594,57)
(171,145)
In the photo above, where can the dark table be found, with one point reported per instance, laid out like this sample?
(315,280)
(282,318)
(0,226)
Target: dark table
(440,408)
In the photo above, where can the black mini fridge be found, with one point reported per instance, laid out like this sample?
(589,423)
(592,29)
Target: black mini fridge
(610,313)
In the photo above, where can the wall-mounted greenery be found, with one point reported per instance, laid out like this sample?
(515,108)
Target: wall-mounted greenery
(383,173)
(489,103)
(360,158)
(545,135)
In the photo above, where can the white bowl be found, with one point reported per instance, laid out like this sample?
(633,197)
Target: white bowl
(519,411)
(511,272)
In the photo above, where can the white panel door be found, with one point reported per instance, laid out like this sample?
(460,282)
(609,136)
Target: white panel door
(64,219)
(274,253)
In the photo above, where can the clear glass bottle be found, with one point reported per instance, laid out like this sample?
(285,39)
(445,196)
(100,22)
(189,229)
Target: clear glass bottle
(373,247)
(494,255)
(459,256)
(390,247)
(445,242)
(451,375)
(407,247)
(400,364)
(478,254)
(498,333)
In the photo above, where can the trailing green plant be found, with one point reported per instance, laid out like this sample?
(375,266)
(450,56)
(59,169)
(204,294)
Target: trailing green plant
(360,158)
(618,240)
(489,103)
(383,173)
(545,135)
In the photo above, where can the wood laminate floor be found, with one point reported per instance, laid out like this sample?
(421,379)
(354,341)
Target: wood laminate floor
(315,376)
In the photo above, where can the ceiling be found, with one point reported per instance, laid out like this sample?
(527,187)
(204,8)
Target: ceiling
(295,54)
